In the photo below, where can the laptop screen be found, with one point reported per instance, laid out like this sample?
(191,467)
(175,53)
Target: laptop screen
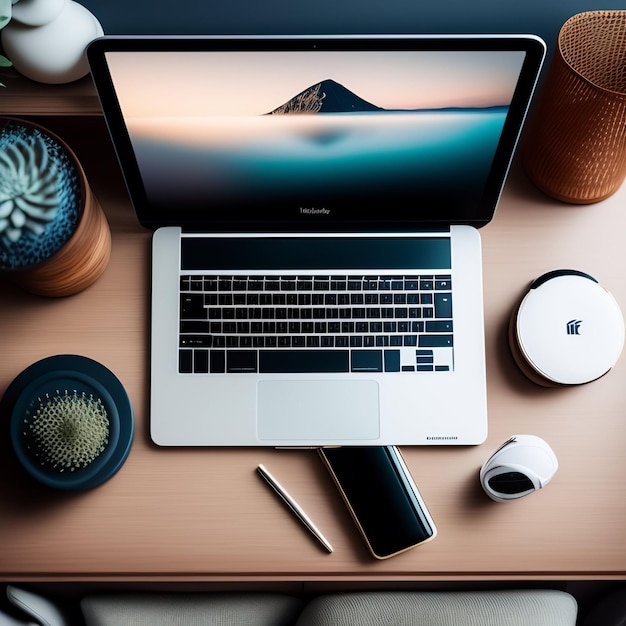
(327,133)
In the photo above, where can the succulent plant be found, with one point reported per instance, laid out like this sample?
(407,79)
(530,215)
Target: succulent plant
(28,188)
(40,195)
(5,17)
(67,431)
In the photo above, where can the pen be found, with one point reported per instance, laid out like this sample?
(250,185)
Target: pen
(294,506)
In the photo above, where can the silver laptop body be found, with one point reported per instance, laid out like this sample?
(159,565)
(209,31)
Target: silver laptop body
(316,263)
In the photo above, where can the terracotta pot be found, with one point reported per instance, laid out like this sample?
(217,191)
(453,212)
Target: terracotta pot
(84,255)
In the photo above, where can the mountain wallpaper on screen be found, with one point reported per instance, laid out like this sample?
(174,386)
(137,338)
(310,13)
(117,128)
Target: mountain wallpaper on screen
(326,97)
(329,96)
(325,147)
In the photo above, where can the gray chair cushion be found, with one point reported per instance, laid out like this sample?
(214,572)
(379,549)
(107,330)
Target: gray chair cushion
(176,609)
(484,608)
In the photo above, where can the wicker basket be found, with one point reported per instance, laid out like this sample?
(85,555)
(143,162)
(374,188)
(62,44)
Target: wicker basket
(575,150)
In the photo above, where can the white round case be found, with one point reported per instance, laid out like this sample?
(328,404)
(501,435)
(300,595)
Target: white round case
(568,329)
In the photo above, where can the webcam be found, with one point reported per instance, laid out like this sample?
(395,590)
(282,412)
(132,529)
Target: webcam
(520,466)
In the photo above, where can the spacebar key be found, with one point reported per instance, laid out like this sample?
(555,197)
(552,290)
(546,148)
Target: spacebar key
(303,361)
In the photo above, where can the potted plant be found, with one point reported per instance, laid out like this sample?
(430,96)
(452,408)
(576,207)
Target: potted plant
(5,17)
(70,421)
(54,236)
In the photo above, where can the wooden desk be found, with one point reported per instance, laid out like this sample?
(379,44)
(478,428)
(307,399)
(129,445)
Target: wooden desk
(204,515)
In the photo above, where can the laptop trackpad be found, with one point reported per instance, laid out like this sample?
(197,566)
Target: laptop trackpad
(319,410)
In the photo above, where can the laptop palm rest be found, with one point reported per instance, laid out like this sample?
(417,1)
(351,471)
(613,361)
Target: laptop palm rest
(320,410)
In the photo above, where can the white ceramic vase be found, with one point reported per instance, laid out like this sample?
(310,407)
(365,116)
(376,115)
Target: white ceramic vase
(46,39)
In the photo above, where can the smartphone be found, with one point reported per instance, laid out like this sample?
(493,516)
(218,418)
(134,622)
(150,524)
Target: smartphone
(382,497)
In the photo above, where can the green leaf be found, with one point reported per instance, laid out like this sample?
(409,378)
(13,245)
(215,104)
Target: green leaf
(5,12)
(4,62)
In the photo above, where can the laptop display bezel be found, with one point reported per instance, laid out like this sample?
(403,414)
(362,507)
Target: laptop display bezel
(152,218)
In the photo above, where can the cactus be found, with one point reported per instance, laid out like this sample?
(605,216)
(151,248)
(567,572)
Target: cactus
(67,432)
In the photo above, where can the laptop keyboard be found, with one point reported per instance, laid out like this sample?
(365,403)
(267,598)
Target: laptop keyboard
(307,324)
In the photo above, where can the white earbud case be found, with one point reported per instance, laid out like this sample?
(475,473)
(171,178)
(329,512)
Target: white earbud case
(568,329)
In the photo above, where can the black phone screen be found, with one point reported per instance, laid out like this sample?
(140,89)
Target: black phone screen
(381,496)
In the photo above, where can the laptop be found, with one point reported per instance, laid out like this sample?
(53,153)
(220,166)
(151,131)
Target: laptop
(315,202)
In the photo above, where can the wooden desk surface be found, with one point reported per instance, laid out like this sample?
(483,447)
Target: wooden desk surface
(204,514)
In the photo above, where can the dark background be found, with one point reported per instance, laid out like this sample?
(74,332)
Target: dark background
(200,17)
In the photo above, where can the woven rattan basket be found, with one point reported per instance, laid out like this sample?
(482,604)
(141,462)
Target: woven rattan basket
(575,150)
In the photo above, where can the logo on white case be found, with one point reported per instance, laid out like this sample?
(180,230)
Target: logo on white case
(573,327)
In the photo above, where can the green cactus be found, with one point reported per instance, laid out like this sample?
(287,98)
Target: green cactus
(68,432)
